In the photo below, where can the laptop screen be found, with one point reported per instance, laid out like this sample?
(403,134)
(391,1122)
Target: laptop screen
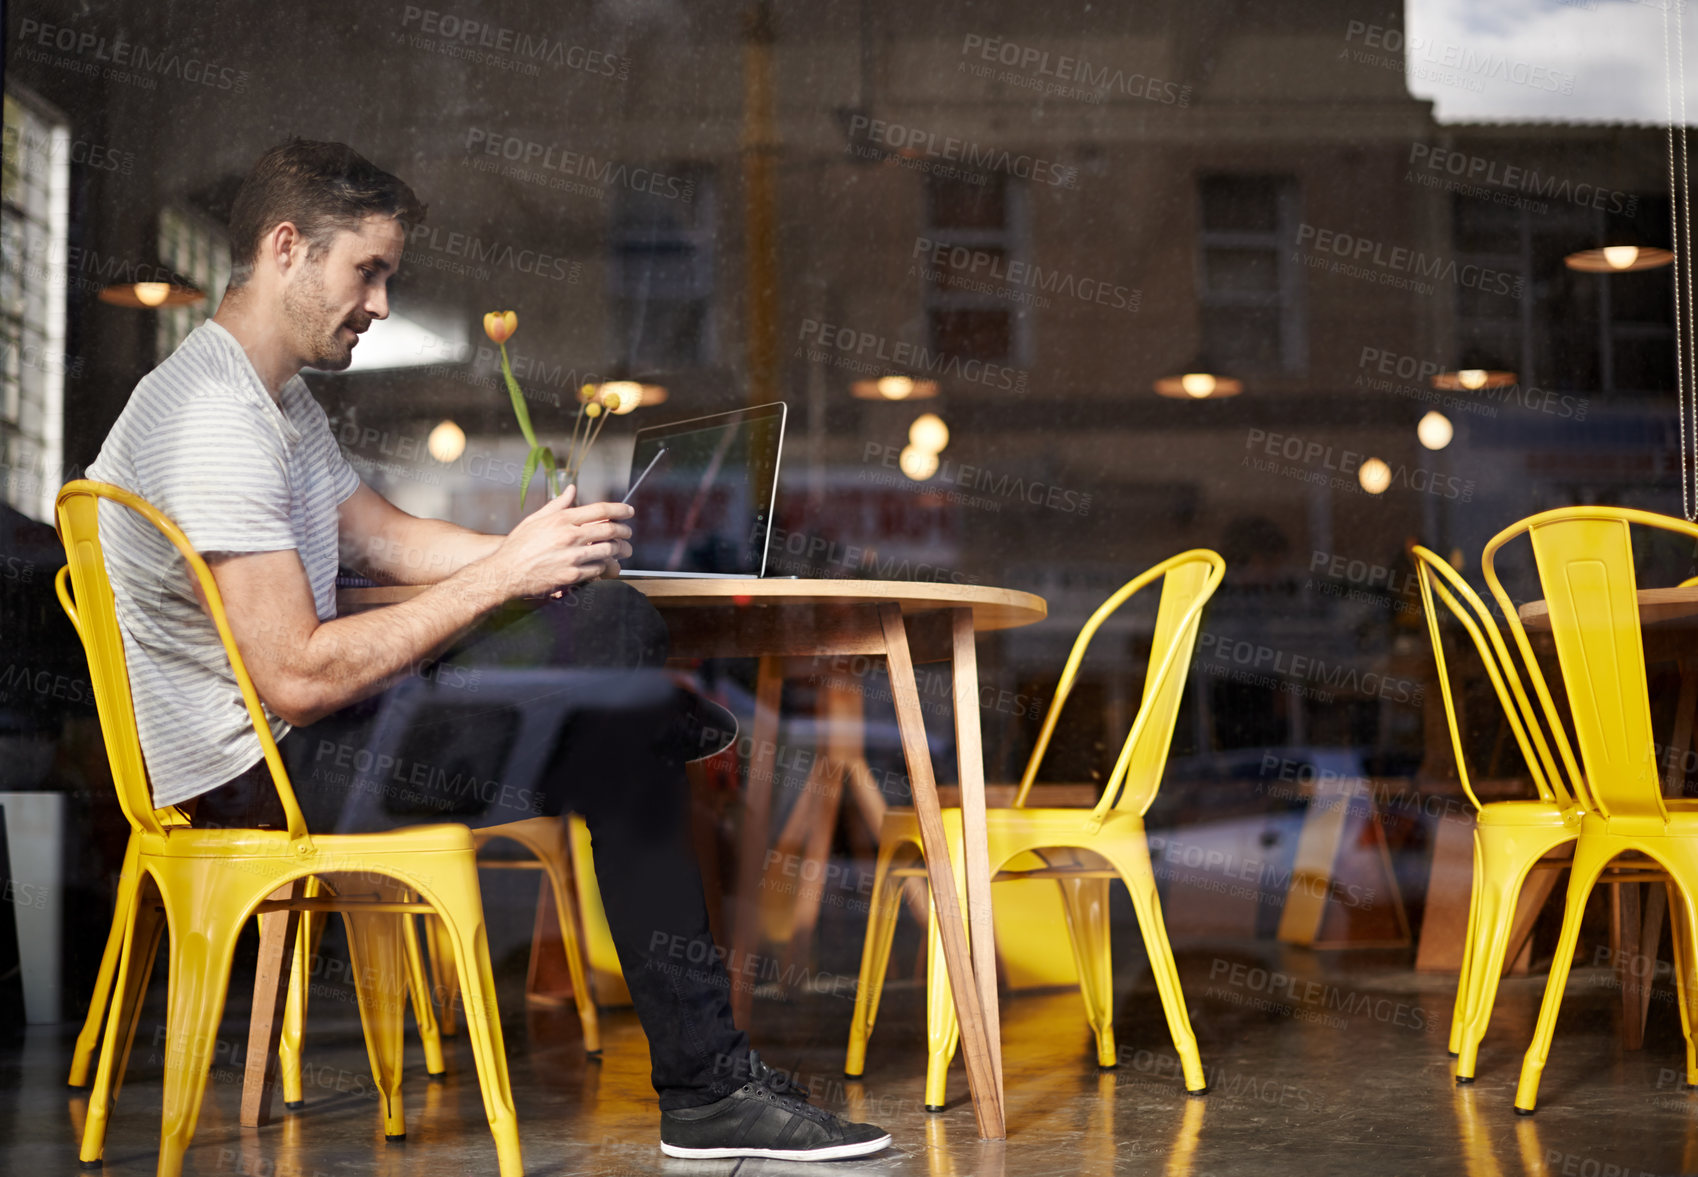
(704,507)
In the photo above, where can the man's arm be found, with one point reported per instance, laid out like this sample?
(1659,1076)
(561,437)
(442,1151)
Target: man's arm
(382,541)
(305,668)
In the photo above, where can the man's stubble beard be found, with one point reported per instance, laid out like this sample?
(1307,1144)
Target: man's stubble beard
(314,323)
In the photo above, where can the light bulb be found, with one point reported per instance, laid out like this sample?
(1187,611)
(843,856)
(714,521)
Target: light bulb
(917,463)
(1435,430)
(1621,257)
(1374,476)
(621,396)
(151,294)
(446,442)
(895,388)
(929,433)
(1197,384)
(1473,379)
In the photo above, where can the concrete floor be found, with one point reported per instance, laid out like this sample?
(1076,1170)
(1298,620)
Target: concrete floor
(1347,1078)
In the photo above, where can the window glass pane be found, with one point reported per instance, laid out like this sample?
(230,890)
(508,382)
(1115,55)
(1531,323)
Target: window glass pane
(1241,271)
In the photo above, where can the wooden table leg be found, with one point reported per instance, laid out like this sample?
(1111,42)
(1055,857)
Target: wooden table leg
(271,995)
(757,825)
(1674,779)
(970,759)
(946,902)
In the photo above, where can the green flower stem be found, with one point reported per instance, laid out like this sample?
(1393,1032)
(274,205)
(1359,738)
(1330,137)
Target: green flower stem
(518,398)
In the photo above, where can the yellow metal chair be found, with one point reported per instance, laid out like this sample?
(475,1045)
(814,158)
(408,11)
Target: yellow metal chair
(1070,839)
(549,843)
(1584,557)
(311,926)
(307,937)
(204,884)
(1511,838)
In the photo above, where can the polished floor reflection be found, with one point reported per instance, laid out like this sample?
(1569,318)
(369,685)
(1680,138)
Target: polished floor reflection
(1318,1064)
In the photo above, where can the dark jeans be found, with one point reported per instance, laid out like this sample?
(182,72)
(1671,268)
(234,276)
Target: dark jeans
(573,686)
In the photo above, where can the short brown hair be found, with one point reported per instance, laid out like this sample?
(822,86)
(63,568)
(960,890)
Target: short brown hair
(320,188)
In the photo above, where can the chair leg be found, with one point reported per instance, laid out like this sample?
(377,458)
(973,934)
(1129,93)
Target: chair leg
(943,1029)
(1591,855)
(378,960)
(577,960)
(418,986)
(1464,980)
(1131,857)
(89,1038)
(1086,903)
(882,909)
(308,933)
(205,928)
(135,965)
(462,912)
(1682,950)
(445,976)
(1499,895)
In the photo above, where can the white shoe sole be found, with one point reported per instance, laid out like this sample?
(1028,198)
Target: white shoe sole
(835,1153)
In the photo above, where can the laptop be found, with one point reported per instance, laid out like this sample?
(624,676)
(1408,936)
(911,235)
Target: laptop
(704,491)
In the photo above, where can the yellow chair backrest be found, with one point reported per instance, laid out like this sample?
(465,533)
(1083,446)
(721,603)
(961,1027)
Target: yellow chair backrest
(93,611)
(1188,581)
(1584,557)
(1437,577)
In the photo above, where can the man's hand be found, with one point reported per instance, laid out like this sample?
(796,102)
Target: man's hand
(559,545)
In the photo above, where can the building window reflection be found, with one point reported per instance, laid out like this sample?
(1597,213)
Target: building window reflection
(975,226)
(196,247)
(1249,293)
(662,271)
(34,211)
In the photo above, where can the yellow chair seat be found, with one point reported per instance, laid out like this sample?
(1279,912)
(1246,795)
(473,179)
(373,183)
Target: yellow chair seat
(1529,813)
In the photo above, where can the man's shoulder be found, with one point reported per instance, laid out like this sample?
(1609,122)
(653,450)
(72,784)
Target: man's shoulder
(203,366)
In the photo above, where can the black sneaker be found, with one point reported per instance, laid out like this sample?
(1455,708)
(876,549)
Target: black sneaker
(766,1117)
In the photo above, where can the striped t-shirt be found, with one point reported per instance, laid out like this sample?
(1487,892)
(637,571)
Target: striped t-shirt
(203,441)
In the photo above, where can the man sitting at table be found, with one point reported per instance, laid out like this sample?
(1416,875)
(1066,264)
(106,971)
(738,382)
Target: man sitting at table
(225,438)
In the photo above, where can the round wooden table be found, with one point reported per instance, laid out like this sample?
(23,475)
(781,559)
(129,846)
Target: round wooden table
(904,623)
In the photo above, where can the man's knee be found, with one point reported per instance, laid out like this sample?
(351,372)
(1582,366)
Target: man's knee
(614,625)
